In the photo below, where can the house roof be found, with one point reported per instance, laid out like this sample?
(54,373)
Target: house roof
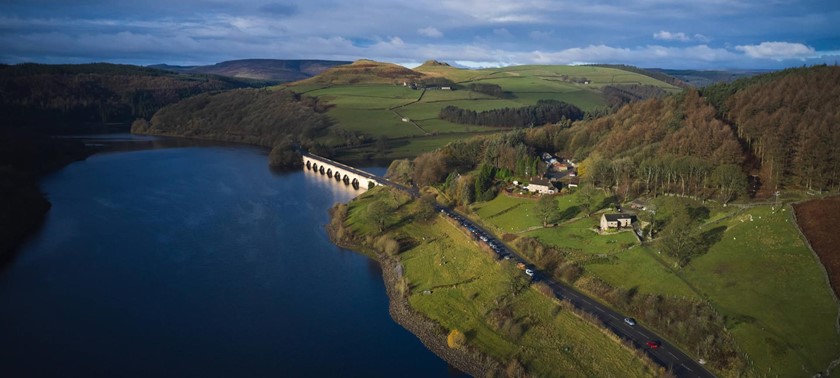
(617,217)
(540,181)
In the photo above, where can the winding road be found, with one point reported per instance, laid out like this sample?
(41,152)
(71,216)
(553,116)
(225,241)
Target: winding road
(665,353)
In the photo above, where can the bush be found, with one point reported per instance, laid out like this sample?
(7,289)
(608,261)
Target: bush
(387,245)
(456,339)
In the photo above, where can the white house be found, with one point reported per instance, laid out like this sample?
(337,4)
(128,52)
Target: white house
(616,220)
(541,186)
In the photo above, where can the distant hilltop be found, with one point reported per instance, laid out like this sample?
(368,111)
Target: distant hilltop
(279,70)
(364,71)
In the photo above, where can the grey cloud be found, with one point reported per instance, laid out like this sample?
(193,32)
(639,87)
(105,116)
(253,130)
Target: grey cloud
(279,9)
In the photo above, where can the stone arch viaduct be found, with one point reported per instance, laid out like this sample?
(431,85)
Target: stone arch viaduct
(341,173)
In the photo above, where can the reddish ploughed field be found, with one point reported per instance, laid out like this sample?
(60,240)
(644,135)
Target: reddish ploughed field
(819,220)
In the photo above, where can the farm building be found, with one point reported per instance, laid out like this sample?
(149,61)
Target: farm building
(541,186)
(617,220)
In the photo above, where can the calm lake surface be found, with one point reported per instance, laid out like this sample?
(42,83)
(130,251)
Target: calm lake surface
(196,262)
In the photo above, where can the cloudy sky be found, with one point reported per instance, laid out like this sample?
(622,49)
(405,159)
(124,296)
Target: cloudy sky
(707,34)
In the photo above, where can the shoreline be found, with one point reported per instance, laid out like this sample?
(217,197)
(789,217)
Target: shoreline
(468,360)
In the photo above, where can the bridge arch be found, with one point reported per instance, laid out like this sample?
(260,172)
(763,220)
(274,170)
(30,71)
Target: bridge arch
(339,172)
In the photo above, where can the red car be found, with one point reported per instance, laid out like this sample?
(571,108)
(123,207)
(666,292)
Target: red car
(653,344)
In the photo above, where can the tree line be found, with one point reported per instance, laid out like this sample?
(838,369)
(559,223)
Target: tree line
(253,116)
(622,94)
(544,112)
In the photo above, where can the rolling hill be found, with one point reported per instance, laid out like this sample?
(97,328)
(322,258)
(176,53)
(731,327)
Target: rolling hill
(275,70)
(363,72)
(377,100)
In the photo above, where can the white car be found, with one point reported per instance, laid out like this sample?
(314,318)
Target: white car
(630,321)
(529,272)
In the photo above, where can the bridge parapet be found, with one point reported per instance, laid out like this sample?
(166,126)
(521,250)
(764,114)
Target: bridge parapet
(342,173)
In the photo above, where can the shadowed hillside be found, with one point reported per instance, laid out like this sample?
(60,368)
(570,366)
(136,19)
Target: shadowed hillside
(275,70)
(58,96)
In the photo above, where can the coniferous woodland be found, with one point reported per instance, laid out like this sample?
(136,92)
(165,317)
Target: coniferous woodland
(623,94)
(544,112)
(792,125)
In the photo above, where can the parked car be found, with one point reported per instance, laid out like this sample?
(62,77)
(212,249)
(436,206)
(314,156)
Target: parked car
(529,272)
(630,321)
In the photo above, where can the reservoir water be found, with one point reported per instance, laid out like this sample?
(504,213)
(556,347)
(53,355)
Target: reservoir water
(196,262)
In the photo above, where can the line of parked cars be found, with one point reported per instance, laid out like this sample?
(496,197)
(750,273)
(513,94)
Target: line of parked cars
(501,251)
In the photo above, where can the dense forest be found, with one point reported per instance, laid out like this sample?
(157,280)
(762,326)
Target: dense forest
(544,112)
(789,120)
(253,116)
(60,96)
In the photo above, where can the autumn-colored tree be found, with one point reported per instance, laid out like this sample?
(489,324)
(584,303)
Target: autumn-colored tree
(456,339)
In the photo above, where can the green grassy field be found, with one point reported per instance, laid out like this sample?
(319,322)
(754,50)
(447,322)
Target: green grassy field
(402,148)
(377,109)
(456,284)
(762,276)
(759,274)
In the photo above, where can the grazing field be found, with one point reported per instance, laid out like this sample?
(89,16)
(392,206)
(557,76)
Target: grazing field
(818,220)
(401,148)
(763,278)
(377,109)
(453,282)
(757,272)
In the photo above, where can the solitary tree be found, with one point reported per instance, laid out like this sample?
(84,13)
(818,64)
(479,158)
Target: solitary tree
(680,237)
(426,207)
(589,199)
(547,209)
(379,213)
